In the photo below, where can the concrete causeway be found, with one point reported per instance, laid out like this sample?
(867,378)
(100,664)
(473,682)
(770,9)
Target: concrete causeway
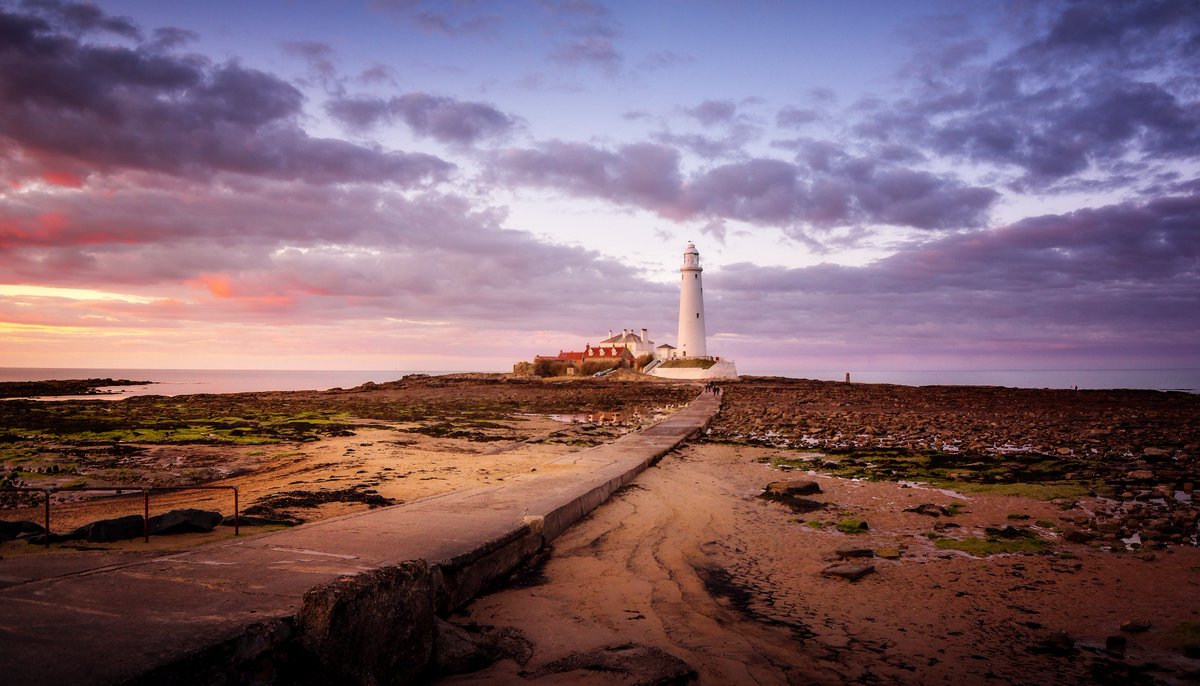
(205,615)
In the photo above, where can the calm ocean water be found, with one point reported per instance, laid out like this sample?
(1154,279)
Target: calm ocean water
(185,381)
(1153,379)
(188,381)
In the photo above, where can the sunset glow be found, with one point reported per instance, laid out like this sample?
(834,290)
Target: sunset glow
(428,185)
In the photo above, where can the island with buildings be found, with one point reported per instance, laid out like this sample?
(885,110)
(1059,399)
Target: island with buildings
(629,350)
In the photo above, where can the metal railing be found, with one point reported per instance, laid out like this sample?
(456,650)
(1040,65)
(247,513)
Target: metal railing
(146,491)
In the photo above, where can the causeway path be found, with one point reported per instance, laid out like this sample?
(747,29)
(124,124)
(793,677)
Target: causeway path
(123,619)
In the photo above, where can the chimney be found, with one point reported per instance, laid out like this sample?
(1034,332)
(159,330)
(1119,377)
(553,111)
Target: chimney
(645,338)
(610,333)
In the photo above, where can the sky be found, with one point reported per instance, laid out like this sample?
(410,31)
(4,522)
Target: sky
(459,185)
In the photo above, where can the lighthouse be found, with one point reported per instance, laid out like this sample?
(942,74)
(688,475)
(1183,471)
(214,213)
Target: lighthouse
(691,306)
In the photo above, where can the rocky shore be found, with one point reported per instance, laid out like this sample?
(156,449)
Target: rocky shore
(33,389)
(820,532)
(1132,457)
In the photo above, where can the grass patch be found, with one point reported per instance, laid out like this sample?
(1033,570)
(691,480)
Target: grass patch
(1042,491)
(852,526)
(983,547)
(687,363)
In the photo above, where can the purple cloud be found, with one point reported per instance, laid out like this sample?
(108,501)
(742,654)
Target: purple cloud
(1099,86)
(103,107)
(443,119)
(1062,289)
(840,190)
(713,112)
(451,19)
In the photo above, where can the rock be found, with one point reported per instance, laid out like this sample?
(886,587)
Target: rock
(854,552)
(184,521)
(1009,531)
(1156,452)
(1135,626)
(109,530)
(1078,536)
(11,530)
(792,487)
(929,509)
(888,553)
(459,650)
(1140,475)
(1115,645)
(632,663)
(1057,643)
(848,571)
(247,520)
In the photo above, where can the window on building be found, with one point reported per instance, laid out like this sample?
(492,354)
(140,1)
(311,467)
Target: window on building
(697,315)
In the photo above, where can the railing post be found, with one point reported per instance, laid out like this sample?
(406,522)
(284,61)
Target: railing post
(47,494)
(237,517)
(146,514)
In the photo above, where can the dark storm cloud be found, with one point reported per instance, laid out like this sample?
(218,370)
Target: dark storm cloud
(1099,85)
(838,190)
(103,107)
(441,118)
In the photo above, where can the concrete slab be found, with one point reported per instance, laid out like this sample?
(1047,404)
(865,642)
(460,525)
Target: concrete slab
(127,615)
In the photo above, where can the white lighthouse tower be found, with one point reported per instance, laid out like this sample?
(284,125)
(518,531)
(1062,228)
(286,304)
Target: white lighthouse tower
(691,306)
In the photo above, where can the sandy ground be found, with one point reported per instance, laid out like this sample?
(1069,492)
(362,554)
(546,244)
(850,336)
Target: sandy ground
(397,464)
(690,561)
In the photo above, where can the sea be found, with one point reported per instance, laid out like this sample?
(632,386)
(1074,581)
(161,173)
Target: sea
(189,381)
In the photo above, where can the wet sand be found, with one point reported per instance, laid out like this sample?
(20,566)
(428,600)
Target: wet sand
(691,561)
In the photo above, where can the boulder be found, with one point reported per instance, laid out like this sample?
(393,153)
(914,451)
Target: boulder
(850,572)
(1078,536)
(185,521)
(1115,645)
(854,552)
(463,649)
(1057,643)
(1135,626)
(791,487)
(109,530)
(11,530)
(929,509)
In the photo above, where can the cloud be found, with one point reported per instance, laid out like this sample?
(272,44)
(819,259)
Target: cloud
(643,174)
(444,119)
(1096,87)
(104,108)
(1061,289)
(840,190)
(713,112)
(79,18)
(274,253)
(448,18)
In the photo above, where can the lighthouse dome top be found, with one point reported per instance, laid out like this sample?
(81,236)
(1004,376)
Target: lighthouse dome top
(691,257)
